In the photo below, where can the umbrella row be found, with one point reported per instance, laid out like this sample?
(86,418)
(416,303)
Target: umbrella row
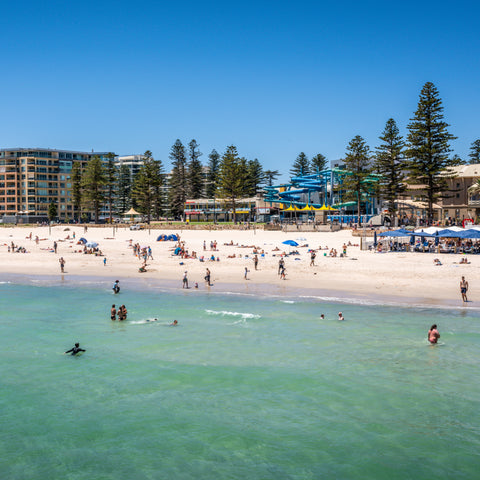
(446,233)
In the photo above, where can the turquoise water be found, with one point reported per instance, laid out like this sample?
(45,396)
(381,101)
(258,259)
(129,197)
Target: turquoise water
(244,387)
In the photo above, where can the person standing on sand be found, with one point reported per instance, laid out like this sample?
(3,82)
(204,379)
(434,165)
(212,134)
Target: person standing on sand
(185,280)
(207,277)
(433,335)
(312,258)
(62,264)
(55,247)
(255,261)
(464,289)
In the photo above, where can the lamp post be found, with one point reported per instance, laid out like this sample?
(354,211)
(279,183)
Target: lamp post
(214,211)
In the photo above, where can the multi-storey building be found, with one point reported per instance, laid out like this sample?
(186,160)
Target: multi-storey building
(30,179)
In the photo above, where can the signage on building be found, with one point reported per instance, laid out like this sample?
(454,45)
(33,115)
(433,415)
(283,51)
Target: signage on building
(263,211)
(193,212)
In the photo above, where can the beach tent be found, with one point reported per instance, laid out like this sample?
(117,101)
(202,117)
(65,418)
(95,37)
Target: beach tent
(429,230)
(447,233)
(91,244)
(470,233)
(401,232)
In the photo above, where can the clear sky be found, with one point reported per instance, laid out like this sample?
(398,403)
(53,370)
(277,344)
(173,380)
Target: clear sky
(272,78)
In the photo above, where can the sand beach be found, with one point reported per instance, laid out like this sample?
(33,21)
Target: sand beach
(391,275)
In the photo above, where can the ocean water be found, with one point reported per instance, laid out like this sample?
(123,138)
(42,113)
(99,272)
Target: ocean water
(244,388)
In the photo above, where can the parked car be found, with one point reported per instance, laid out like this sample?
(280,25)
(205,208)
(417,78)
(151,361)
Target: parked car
(137,226)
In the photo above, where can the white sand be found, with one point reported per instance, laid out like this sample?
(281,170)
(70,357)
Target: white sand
(407,275)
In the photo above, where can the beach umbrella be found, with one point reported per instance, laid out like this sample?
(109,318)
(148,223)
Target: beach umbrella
(82,240)
(470,233)
(92,244)
(291,243)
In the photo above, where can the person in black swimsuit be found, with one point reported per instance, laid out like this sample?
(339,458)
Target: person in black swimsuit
(76,349)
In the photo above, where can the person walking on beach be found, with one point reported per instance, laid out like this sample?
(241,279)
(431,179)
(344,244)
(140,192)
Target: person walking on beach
(55,247)
(62,264)
(113,312)
(281,265)
(255,261)
(207,277)
(312,258)
(433,335)
(246,273)
(185,280)
(104,261)
(464,289)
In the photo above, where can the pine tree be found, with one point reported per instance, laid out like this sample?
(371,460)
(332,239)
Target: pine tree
(271,176)
(390,165)
(318,163)
(231,178)
(357,163)
(475,152)
(52,211)
(212,176)
(111,185)
(76,177)
(124,188)
(178,180)
(428,146)
(196,182)
(301,166)
(146,187)
(254,177)
(93,186)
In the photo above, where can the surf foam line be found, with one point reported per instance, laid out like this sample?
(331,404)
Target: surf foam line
(225,313)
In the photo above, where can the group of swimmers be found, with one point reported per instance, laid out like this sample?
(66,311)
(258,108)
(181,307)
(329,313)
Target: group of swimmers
(121,313)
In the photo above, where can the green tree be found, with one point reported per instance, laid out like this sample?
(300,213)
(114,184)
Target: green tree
(475,152)
(357,164)
(111,184)
(52,211)
(212,176)
(271,176)
(124,188)
(254,177)
(195,177)
(231,178)
(76,177)
(301,166)
(178,180)
(428,147)
(390,165)
(318,163)
(146,187)
(93,186)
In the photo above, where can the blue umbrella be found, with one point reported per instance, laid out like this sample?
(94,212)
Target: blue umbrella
(83,240)
(92,244)
(292,243)
(469,234)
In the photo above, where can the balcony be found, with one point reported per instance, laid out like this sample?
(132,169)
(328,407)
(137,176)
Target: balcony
(473,202)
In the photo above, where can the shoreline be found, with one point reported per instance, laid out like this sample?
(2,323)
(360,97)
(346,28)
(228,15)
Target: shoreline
(362,276)
(269,292)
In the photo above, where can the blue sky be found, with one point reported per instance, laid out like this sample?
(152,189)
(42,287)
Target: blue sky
(272,78)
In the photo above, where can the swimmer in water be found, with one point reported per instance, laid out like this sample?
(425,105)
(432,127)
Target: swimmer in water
(116,286)
(113,312)
(76,349)
(340,316)
(433,335)
(322,316)
(174,324)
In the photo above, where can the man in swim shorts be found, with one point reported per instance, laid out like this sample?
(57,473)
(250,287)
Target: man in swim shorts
(463,289)
(76,349)
(433,335)
(113,312)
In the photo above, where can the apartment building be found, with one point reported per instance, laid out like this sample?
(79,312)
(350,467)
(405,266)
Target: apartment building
(31,178)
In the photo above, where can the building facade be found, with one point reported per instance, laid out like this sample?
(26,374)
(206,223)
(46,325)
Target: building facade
(31,179)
